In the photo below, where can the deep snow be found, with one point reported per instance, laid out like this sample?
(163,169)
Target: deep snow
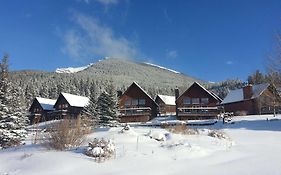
(254,147)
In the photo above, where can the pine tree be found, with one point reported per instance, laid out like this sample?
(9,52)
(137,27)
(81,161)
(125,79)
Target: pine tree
(90,111)
(107,106)
(12,120)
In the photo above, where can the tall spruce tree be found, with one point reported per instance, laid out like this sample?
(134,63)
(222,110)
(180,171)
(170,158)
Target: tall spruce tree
(12,119)
(107,106)
(90,111)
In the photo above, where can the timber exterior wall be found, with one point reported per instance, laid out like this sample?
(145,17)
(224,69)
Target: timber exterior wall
(202,104)
(135,105)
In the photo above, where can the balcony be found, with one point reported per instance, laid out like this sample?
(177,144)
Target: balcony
(198,111)
(139,111)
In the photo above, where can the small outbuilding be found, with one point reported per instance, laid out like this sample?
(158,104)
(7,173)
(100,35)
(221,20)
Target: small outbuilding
(167,104)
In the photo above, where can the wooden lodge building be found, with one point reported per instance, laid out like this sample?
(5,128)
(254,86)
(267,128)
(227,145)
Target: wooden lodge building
(167,104)
(197,103)
(40,108)
(69,105)
(253,100)
(135,105)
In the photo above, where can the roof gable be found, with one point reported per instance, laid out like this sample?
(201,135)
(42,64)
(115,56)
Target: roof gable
(201,87)
(138,86)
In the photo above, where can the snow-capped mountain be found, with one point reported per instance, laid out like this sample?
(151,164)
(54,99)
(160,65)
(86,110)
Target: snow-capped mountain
(161,67)
(73,69)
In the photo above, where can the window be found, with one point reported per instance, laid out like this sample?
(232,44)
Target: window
(127,102)
(195,101)
(204,101)
(135,102)
(60,106)
(187,101)
(141,101)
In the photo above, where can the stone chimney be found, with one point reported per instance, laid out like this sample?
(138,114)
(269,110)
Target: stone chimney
(248,91)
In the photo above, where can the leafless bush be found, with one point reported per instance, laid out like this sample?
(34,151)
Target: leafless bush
(100,149)
(241,113)
(218,134)
(66,134)
(182,129)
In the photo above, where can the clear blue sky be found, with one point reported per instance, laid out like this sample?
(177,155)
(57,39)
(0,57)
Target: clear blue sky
(209,39)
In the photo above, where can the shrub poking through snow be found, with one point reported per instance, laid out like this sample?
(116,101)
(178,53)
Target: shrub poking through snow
(100,149)
(67,133)
(182,129)
(218,134)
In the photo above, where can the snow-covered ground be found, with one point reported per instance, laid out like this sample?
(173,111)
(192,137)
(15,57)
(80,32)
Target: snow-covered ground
(253,147)
(72,69)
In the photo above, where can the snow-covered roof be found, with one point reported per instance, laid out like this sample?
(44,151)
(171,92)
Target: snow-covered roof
(168,100)
(237,95)
(46,103)
(210,93)
(76,100)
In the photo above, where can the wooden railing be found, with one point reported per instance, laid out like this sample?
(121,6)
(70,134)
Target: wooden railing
(135,111)
(198,111)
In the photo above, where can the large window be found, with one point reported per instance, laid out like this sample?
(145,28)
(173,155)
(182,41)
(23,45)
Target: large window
(128,102)
(204,101)
(187,101)
(142,102)
(195,101)
(135,102)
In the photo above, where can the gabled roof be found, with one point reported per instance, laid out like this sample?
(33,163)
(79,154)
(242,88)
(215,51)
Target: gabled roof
(46,103)
(136,84)
(168,100)
(237,95)
(196,83)
(75,100)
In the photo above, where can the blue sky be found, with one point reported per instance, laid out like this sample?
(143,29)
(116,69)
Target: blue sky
(211,40)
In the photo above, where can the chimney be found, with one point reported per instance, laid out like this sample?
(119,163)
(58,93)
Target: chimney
(119,93)
(177,94)
(247,91)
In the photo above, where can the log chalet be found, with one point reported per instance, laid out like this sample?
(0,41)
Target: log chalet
(252,100)
(196,103)
(69,105)
(135,105)
(40,108)
(167,104)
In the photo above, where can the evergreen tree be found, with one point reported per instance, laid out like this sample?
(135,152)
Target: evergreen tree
(90,111)
(12,120)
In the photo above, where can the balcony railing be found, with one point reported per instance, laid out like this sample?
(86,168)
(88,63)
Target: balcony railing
(198,111)
(135,111)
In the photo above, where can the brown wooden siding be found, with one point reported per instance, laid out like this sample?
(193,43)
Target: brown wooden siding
(133,93)
(260,105)
(202,111)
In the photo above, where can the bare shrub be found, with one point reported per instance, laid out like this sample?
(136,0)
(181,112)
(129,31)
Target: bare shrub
(218,134)
(241,113)
(182,129)
(66,134)
(100,149)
